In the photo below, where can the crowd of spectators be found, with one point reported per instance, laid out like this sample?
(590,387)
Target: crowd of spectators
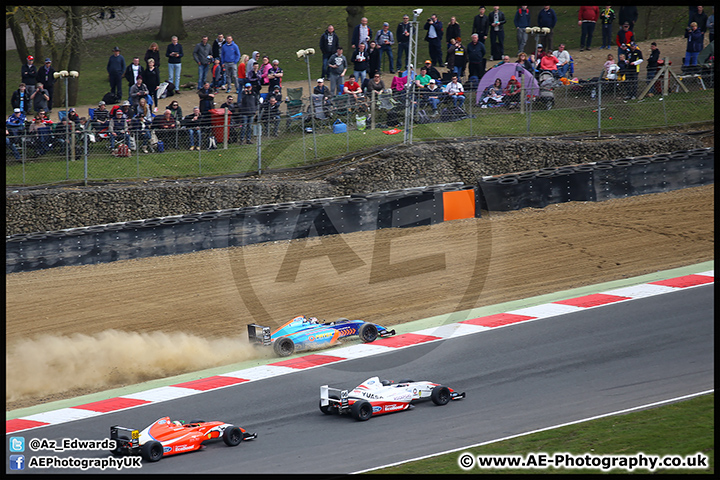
(257,80)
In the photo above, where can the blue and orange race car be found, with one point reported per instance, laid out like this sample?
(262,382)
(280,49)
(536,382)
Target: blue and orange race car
(304,333)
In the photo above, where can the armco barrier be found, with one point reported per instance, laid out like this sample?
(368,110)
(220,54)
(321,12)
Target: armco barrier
(240,226)
(598,181)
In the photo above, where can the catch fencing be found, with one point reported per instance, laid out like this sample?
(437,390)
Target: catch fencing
(309,129)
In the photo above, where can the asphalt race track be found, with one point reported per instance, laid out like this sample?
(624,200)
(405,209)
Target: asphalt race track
(518,378)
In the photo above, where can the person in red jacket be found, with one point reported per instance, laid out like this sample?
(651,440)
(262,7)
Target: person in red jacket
(623,39)
(587,18)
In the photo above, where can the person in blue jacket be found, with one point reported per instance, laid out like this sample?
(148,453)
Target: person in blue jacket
(116,69)
(522,21)
(547,18)
(229,58)
(694,45)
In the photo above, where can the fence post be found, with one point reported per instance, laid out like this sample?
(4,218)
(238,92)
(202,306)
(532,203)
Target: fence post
(599,105)
(226,129)
(372,110)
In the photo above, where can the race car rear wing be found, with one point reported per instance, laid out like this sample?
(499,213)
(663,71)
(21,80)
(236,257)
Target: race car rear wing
(263,337)
(335,396)
(126,437)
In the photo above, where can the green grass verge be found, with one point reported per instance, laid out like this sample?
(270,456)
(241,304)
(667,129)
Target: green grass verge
(682,429)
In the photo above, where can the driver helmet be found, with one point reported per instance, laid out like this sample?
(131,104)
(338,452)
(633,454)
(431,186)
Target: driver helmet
(177,423)
(314,320)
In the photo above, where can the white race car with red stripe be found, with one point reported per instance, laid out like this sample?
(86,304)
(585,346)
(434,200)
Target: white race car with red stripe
(376,397)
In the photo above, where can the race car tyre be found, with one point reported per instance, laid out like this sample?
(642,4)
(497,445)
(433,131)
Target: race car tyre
(284,346)
(232,436)
(151,451)
(440,395)
(368,332)
(361,410)
(120,440)
(330,409)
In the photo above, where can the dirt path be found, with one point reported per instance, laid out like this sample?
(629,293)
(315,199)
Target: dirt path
(95,327)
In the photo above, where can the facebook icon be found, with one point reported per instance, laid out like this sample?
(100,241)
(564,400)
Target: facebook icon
(17,462)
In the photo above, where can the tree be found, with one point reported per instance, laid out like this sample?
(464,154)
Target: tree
(171,24)
(355,13)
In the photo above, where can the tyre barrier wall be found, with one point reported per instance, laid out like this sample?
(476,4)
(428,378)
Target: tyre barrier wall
(599,181)
(240,226)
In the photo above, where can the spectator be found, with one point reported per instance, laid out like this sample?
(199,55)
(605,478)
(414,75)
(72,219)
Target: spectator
(218,79)
(138,91)
(694,44)
(233,109)
(10,141)
(628,14)
(270,116)
(101,117)
(321,89)
(216,49)
(522,21)
(525,62)
(432,71)
(410,72)
(455,90)
(28,74)
(264,69)
(624,38)
(202,54)
(360,63)
(174,53)
(622,64)
(481,25)
(40,135)
(711,26)
(351,87)
(493,94)
(175,110)
(254,58)
(700,17)
(116,69)
(40,97)
(610,67)
(511,92)
(587,18)
(422,80)
(652,62)
(402,36)
(549,63)
(386,40)
(337,66)
(153,52)
(248,108)
(15,123)
(634,59)
(505,59)
(373,54)
(563,57)
(452,31)
(475,57)
(547,19)
(140,128)
(607,17)
(450,55)
(230,56)
(274,75)
(192,123)
(164,126)
(119,129)
(434,36)
(375,84)
(21,99)
(497,33)
(460,60)
(144,110)
(329,42)
(242,70)
(133,71)
(362,33)
(432,96)
(151,79)
(73,116)
(45,75)
(254,79)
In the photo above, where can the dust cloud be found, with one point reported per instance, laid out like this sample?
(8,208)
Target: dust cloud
(49,365)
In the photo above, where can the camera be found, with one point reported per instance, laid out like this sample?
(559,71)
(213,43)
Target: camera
(417,12)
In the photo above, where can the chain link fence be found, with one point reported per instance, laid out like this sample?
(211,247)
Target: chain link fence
(306,130)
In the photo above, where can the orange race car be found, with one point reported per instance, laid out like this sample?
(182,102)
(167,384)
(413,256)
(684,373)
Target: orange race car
(166,437)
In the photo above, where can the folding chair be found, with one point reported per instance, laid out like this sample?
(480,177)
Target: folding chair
(294,101)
